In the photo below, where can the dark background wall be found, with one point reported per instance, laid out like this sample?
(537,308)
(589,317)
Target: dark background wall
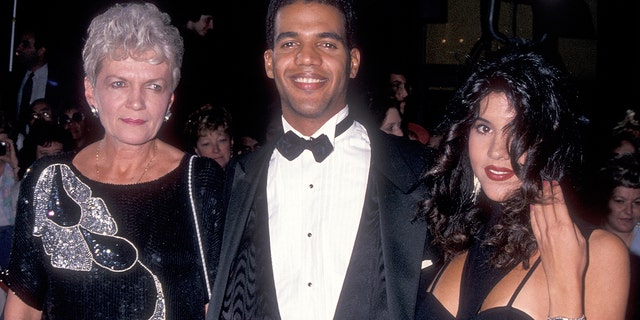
(391,30)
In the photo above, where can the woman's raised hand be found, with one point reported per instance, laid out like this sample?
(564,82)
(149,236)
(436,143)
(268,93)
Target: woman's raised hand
(563,251)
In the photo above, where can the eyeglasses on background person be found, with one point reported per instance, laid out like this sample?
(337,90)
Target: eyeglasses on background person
(41,109)
(75,117)
(44,115)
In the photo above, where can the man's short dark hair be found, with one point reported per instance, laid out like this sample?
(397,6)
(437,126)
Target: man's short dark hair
(344,6)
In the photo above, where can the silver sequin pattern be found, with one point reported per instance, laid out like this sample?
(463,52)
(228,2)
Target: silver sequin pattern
(66,244)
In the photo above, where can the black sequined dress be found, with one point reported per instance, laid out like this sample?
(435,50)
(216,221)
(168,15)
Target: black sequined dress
(89,250)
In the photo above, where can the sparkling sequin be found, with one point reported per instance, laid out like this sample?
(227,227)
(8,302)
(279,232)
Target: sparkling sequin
(79,239)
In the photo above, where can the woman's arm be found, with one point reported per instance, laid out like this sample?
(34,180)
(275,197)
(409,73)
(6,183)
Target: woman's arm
(563,252)
(16,309)
(607,279)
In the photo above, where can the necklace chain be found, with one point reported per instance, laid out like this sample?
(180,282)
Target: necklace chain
(146,168)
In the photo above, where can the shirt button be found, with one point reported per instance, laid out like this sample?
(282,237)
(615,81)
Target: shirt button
(311,186)
(309,284)
(309,234)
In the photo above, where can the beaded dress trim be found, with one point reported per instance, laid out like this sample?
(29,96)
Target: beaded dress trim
(197,224)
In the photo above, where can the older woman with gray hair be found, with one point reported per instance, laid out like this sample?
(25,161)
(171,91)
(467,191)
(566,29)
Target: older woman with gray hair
(118,230)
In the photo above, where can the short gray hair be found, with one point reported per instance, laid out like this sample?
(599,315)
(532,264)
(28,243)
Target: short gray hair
(129,30)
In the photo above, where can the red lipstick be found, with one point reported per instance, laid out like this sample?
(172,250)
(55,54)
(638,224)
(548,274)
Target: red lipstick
(498,174)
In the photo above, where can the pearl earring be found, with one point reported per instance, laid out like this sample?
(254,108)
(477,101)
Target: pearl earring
(167,116)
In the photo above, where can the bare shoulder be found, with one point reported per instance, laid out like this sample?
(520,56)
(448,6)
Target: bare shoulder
(169,157)
(603,243)
(608,258)
(607,277)
(607,252)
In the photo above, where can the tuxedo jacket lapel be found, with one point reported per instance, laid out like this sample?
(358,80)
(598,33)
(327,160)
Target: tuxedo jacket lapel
(393,194)
(403,240)
(363,294)
(249,174)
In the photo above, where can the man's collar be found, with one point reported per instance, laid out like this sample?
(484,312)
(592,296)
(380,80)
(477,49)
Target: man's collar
(327,128)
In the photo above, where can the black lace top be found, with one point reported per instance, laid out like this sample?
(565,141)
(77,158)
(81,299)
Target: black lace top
(88,250)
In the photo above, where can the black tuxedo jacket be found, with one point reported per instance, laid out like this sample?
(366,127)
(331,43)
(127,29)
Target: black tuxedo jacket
(393,193)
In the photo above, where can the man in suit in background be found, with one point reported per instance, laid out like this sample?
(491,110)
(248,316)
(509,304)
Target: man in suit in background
(328,232)
(33,78)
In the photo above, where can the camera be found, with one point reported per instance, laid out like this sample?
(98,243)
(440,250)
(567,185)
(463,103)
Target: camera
(3,148)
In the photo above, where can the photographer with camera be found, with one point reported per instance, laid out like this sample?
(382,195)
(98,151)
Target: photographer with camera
(8,179)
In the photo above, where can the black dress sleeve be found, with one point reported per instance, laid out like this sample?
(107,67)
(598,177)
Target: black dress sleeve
(25,274)
(208,185)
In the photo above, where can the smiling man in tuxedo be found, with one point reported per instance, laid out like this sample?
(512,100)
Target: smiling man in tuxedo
(320,219)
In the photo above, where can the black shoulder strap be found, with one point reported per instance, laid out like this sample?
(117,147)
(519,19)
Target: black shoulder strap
(524,280)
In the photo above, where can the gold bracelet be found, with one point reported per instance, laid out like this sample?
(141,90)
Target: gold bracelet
(582,317)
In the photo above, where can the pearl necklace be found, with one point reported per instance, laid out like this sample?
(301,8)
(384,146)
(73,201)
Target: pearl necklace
(146,168)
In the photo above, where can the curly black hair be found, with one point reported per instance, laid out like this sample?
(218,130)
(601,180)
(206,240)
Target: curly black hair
(545,129)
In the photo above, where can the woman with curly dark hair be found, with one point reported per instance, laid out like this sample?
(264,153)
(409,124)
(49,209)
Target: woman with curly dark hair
(496,207)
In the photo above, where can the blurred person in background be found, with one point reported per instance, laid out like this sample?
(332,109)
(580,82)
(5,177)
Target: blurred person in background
(44,138)
(83,129)
(209,133)
(385,114)
(617,196)
(200,73)
(35,76)
(246,142)
(9,167)
(40,110)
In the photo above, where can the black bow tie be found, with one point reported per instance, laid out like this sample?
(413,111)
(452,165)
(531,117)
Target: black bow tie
(291,145)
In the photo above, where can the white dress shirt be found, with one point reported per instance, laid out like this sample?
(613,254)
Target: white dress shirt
(314,214)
